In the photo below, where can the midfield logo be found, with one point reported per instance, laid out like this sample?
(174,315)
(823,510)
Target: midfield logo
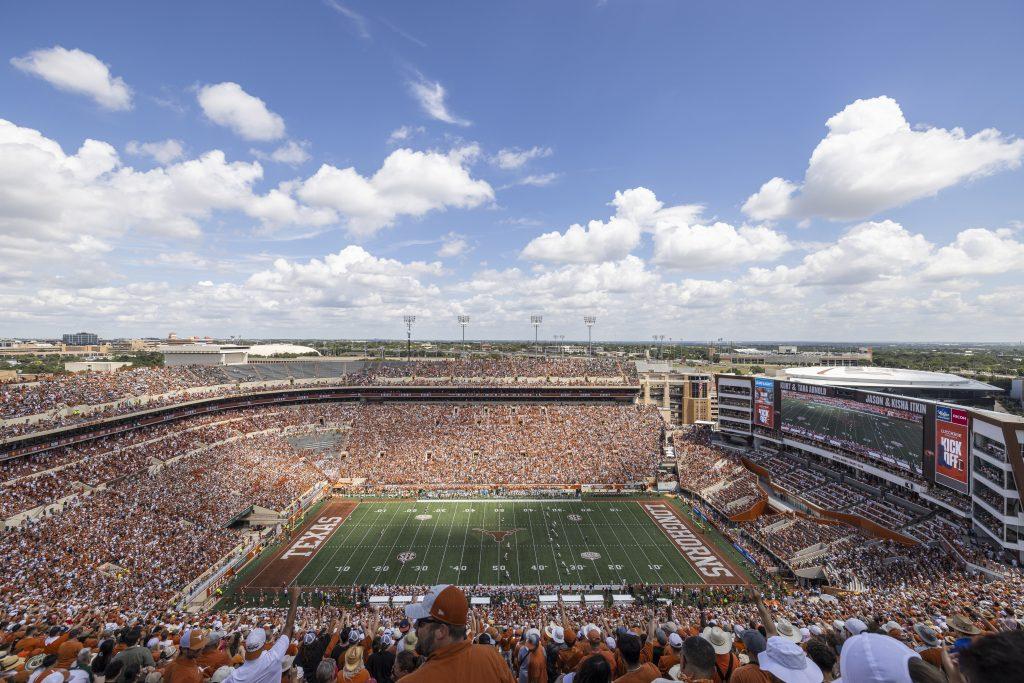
(498,536)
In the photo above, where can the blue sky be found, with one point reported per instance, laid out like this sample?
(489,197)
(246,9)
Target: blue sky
(321,168)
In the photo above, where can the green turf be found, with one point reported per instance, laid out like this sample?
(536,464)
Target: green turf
(449,548)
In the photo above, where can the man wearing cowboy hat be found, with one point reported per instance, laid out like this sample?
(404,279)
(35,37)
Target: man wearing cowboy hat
(441,620)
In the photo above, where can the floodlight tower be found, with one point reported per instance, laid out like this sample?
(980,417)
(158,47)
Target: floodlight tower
(463,320)
(536,320)
(590,321)
(658,339)
(409,320)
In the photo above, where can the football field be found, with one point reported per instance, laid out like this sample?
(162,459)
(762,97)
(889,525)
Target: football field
(571,542)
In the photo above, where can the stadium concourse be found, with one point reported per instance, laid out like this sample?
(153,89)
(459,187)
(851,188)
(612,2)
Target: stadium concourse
(267,532)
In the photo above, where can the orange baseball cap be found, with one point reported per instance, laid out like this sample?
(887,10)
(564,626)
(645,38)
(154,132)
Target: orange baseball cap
(444,603)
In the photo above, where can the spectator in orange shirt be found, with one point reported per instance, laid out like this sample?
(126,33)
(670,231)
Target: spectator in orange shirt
(636,671)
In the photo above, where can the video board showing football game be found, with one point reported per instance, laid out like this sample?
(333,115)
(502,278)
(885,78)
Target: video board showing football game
(877,426)
(764,402)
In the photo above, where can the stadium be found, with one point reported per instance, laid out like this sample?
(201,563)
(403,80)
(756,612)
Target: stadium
(540,486)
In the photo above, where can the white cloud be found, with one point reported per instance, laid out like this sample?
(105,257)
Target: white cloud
(409,183)
(718,244)
(49,196)
(78,72)
(292,153)
(430,95)
(162,151)
(872,160)
(452,245)
(403,133)
(535,180)
(226,104)
(511,159)
(350,279)
(866,253)
(357,19)
(679,240)
(976,251)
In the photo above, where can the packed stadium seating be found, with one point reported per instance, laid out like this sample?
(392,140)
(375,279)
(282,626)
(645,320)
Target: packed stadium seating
(105,535)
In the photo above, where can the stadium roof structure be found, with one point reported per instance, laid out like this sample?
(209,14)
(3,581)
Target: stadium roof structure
(274,349)
(875,378)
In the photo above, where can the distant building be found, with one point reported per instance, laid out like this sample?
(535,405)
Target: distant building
(1017,389)
(81,339)
(789,355)
(937,386)
(683,395)
(95,366)
(204,354)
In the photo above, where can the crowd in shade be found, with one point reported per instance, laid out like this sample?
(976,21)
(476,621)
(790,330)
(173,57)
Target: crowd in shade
(71,399)
(452,445)
(510,370)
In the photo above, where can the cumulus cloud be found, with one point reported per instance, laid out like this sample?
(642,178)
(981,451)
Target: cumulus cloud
(226,104)
(77,72)
(717,244)
(291,153)
(679,238)
(351,278)
(161,151)
(46,194)
(409,183)
(974,252)
(867,252)
(431,96)
(453,245)
(511,159)
(872,160)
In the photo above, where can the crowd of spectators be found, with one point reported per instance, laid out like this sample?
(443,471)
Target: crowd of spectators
(789,535)
(714,635)
(72,399)
(451,445)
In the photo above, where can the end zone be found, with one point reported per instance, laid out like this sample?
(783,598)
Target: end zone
(709,562)
(293,556)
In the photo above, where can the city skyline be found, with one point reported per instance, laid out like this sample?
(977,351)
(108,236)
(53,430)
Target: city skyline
(320,170)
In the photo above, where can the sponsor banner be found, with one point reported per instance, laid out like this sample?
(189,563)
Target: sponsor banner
(764,402)
(708,563)
(952,462)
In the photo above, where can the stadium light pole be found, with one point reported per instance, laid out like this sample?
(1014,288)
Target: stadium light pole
(589,321)
(463,320)
(409,320)
(536,320)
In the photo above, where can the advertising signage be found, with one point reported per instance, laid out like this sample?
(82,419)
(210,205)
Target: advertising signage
(764,402)
(877,426)
(952,463)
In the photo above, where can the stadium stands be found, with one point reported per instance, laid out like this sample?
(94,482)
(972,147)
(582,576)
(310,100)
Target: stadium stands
(109,535)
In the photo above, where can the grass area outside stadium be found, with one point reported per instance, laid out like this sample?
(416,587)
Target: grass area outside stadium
(560,542)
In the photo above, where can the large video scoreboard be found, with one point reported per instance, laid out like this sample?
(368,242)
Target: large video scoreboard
(877,426)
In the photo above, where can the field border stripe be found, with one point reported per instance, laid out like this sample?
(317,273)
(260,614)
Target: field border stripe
(718,554)
(287,575)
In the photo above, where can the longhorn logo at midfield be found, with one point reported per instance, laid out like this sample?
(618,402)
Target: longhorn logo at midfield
(498,536)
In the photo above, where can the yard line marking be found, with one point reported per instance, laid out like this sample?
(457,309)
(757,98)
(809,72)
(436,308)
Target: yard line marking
(608,552)
(447,540)
(412,546)
(579,576)
(667,560)
(387,558)
(430,545)
(337,548)
(358,575)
